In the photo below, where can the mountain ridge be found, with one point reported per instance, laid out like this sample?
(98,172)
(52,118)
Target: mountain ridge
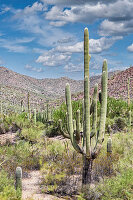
(15,86)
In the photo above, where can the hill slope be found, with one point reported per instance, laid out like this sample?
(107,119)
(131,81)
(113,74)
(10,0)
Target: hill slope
(15,86)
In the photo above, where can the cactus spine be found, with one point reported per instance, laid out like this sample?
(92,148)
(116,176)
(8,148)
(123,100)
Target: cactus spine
(89,152)
(18,176)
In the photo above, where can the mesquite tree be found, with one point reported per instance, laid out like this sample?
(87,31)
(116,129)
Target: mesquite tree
(92,140)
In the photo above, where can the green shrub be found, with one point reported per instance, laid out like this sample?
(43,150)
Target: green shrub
(7,189)
(119,187)
(120,123)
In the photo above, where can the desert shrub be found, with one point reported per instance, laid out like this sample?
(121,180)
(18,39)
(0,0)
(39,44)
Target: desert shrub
(119,187)
(120,123)
(31,134)
(59,163)
(7,189)
(116,107)
(21,154)
(52,131)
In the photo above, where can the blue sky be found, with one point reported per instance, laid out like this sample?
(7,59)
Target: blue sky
(44,38)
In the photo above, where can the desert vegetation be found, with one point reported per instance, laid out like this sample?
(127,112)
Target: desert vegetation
(81,148)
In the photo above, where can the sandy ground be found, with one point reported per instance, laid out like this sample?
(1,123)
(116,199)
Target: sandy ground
(7,137)
(31,188)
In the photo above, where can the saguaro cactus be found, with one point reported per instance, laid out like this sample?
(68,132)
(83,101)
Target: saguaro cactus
(28,102)
(88,150)
(18,184)
(22,107)
(128,91)
(35,116)
(109,152)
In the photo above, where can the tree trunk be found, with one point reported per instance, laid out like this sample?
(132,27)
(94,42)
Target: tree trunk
(87,170)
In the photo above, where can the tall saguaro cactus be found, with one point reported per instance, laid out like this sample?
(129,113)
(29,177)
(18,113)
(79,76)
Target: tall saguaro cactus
(90,149)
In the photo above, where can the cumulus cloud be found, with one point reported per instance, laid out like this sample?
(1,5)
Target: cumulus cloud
(130,48)
(53,58)
(29,67)
(74,2)
(77,48)
(117,15)
(115,28)
(35,8)
(32,20)
(96,45)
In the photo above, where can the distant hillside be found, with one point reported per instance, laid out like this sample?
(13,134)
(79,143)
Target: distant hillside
(117,85)
(15,86)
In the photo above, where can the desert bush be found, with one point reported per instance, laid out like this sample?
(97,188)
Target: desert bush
(21,154)
(116,108)
(58,164)
(120,123)
(7,189)
(119,187)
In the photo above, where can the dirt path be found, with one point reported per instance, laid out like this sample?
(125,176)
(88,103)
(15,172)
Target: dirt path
(8,137)
(32,189)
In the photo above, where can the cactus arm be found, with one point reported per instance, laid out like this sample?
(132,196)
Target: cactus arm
(70,120)
(94,123)
(66,135)
(78,126)
(87,115)
(103,102)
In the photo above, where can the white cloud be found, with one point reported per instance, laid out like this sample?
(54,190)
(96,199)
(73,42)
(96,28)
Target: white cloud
(130,48)
(4,10)
(99,45)
(70,67)
(29,67)
(34,22)
(73,2)
(57,23)
(35,8)
(115,28)
(13,45)
(117,15)
(77,48)
(95,45)
(53,58)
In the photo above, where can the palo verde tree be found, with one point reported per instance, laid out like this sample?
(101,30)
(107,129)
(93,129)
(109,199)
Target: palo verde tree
(92,138)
